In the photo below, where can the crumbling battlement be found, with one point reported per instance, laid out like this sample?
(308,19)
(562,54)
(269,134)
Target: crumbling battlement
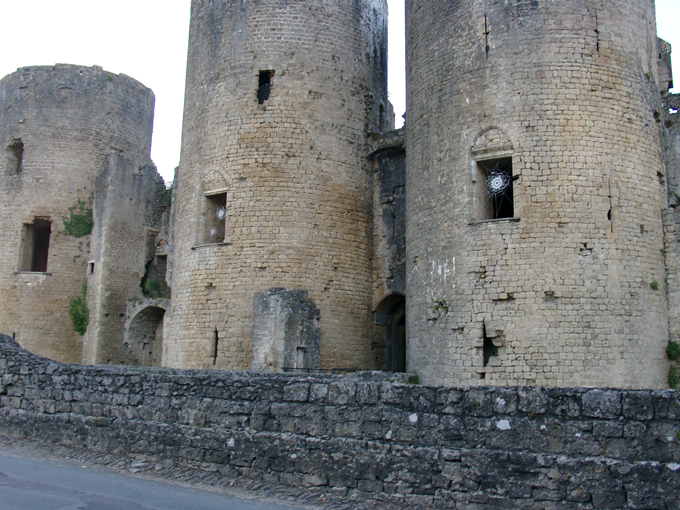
(525,447)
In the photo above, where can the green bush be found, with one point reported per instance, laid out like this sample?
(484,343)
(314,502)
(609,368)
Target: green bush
(80,314)
(673,350)
(80,222)
(156,288)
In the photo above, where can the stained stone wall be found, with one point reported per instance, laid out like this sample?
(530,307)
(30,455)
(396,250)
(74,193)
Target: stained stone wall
(286,333)
(65,119)
(568,287)
(520,448)
(273,189)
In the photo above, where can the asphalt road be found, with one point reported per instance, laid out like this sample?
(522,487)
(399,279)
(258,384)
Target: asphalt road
(29,484)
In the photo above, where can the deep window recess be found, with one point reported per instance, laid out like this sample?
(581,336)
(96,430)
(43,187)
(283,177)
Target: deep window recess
(36,244)
(494,189)
(264,86)
(215,216)
(16,157)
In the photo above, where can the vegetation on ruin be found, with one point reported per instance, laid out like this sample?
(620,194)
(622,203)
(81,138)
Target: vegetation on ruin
(413,377)
(654,285)
(673,350)
(440,305)
(672,379)
(80,314)
(156,288)
(166,197)
(80,222)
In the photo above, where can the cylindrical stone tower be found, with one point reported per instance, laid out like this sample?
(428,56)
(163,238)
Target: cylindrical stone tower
(273,189)
(56,125)
(535,186)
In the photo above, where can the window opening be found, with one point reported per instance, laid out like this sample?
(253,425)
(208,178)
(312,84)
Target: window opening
(215,218)
(36,246)
(90,268)
(496,189)
(490,350)
(16,157)
(216,345)
(264,86)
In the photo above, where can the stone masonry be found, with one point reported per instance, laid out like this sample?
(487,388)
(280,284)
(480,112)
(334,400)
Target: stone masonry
(273,188)
(57,125)
(424,446)
(564,285)
(520,230)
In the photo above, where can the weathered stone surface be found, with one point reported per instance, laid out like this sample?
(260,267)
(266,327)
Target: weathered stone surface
(447,447)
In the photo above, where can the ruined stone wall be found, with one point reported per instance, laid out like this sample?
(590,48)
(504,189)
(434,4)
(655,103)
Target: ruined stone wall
(63,119)
(520,448)
(672,215)
(128,216)
(567,288)
(273,189)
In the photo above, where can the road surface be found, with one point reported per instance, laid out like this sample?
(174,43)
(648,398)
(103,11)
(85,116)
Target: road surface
(30,484)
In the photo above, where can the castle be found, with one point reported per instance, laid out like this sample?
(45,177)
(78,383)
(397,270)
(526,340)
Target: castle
(520,229)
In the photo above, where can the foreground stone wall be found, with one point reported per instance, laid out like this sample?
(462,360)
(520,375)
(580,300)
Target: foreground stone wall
(526,447)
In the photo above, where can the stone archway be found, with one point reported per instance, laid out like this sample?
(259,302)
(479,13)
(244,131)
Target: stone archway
(144,337)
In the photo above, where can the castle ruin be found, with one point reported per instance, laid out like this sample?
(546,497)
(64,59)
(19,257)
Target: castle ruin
(520,229)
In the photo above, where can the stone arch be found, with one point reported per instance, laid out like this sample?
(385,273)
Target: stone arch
(391,313)
(214,180)
(143,335)
(491,140)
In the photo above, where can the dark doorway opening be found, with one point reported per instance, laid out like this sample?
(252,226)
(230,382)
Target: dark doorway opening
(392,314)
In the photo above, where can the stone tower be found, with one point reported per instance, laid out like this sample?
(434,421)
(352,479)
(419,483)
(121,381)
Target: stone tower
(57,124)
(535,185)
(273,188)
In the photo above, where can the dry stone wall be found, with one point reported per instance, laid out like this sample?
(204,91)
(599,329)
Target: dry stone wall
(567,287)
(473,448)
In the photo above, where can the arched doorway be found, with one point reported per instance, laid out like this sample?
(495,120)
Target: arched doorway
(391,313)
(144,337)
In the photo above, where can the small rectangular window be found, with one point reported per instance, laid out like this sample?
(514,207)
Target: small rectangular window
(264,86)
(36,244)
(494,189)
(215,216)
(16,157)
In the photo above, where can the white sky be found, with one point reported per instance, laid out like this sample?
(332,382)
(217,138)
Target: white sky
(147,39)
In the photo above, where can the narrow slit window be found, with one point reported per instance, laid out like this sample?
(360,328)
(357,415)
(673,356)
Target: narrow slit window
(495,189)
(16,157)
(215,217)
(36,244)
(264,86)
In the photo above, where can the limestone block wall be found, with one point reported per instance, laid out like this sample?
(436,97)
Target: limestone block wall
(59,121)
(566,287)
(424,446)
(128,216)
(273,189)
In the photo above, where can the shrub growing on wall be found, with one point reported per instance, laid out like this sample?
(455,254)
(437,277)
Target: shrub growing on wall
(80,314)
(80,222)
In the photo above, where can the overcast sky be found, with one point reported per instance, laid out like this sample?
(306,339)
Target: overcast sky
(147,39)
